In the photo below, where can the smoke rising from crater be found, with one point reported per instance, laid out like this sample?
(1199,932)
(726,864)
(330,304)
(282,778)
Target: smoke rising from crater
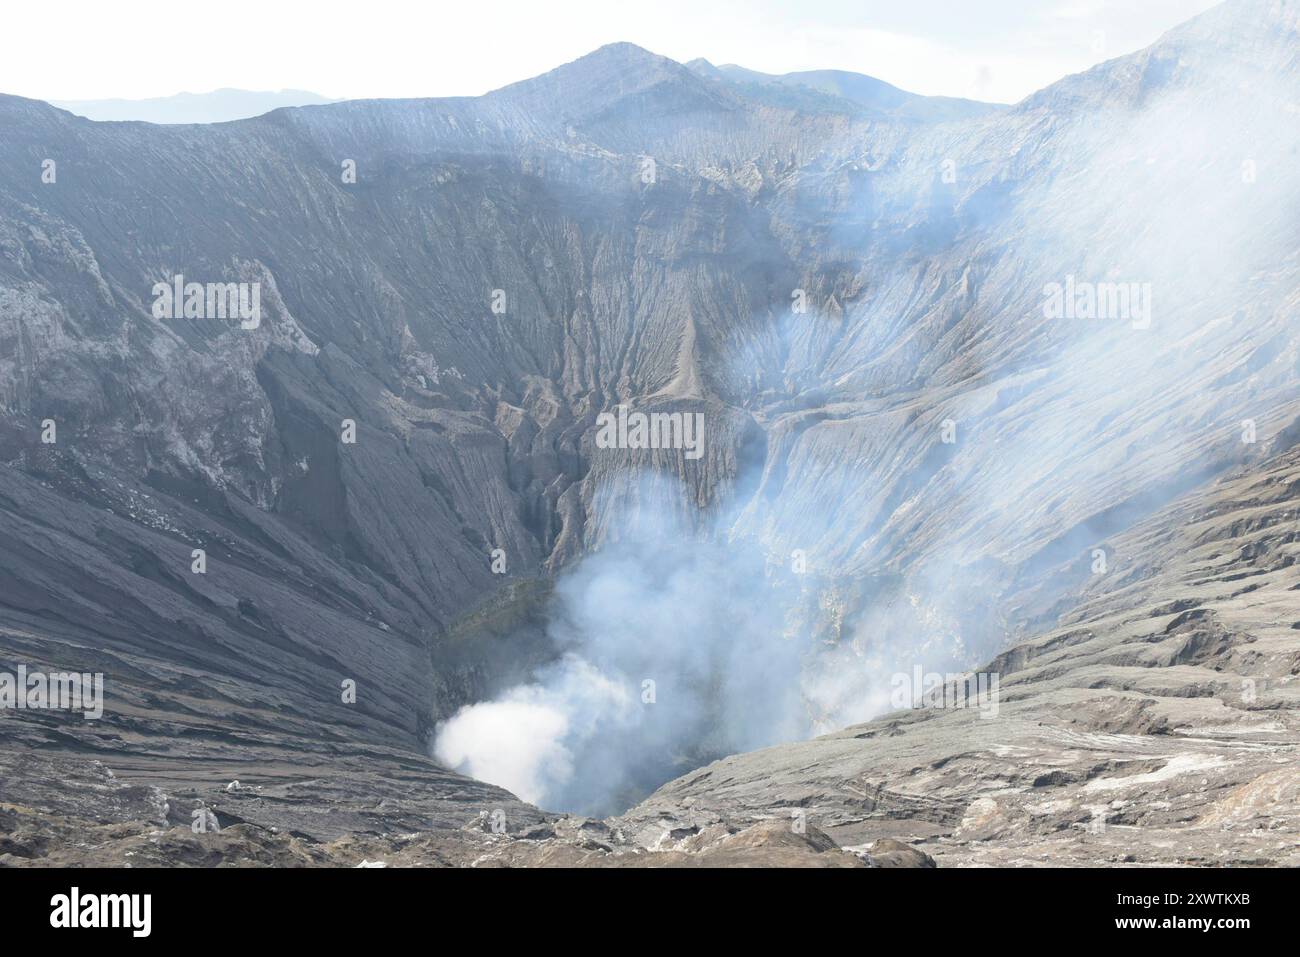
(1067,430)
(674,650)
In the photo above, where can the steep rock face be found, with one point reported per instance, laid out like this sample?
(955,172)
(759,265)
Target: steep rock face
(643,230)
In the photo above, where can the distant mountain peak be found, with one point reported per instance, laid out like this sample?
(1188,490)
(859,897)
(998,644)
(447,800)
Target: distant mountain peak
(217,106)
(624,48)
(864,93)
(614,73)
(703,67)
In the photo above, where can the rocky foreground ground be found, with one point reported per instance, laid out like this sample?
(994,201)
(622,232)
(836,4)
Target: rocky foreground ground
(1158,725)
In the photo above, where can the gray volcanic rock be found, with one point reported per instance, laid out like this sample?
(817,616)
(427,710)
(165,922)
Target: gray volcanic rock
(1159,724)
(628,230)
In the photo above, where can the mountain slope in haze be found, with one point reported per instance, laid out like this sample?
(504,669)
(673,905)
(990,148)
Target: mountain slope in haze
(219,106)
(947,456)
(875,97)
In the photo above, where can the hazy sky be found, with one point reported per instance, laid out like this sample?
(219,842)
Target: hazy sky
(988,49)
